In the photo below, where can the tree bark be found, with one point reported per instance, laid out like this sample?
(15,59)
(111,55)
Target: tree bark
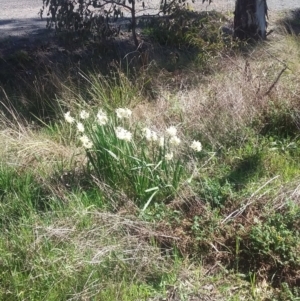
(133,24)
(250,19)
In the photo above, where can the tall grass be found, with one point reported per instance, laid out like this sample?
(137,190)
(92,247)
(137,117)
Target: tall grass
(114,199)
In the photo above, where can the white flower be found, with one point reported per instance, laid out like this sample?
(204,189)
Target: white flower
(161,142)
(80,127)
(84,138)
(69,118)
(123,134)
(102,117)
(146,132)
(123,113)
(154,136)
(169,156)
(84,114)
(150,135)
(175,141)
(86,142)
(196,146)
(171,131)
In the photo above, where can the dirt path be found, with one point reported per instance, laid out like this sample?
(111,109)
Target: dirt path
(20,17)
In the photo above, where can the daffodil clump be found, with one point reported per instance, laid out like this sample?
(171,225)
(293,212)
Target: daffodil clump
(140,161)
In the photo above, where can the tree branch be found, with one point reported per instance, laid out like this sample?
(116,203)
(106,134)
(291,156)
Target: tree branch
(114,2)
(275,81)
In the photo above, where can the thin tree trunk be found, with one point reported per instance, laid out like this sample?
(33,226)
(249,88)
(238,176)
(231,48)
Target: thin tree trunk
(133,24)
(250,19)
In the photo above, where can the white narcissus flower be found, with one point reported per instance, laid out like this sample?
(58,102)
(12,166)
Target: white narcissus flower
(175,141)
(169,156)
(123,134)
(147,133)
(196,146)
(171,131)
(86,142)
(68,117)
(84,114)
(123,113)
(80,127)
(150,135)
(154,136)
(102,118)
(84,138)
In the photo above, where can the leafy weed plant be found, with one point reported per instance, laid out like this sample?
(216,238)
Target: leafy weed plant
(278,237)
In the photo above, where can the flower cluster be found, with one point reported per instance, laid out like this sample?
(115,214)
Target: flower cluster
(170,141)
(80,127)
(86,142)
(196,146)
(171,131)
(169,156)
(175,141)
(69,118)
(84,115)
(102,118)
(123,113)
(150,135)
(123,134)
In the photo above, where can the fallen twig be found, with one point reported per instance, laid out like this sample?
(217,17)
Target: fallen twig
(275,81)
(240,210)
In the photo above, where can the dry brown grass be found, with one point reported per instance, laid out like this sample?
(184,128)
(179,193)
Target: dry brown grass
(27,148)
(98,236)
(225,102)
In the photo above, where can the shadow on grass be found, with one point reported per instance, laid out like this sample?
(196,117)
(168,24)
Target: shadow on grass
(291,21)
(245,171)
(20,27)
(35,63)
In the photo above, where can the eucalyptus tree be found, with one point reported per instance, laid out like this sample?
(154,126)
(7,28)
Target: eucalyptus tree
(89,16)
(95,16)
(250,19)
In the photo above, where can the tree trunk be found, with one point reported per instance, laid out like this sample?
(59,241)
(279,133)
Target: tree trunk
(133,24)
(250,19)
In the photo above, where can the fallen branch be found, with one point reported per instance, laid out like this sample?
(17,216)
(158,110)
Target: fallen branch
(275,81)
(240,210)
